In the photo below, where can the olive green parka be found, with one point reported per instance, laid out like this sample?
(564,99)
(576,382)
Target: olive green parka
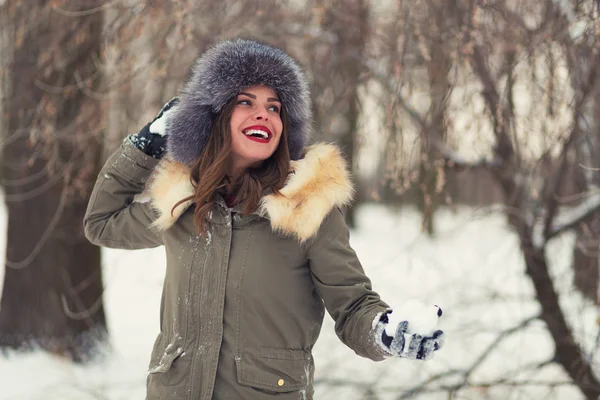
(241,307)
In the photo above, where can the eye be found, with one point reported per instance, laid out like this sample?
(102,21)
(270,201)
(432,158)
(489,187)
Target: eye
(244,102)
(274,108)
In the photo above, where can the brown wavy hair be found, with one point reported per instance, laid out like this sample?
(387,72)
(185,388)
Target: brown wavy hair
(209,172)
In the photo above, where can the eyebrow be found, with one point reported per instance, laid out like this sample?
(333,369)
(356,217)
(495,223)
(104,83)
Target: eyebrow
(254,97)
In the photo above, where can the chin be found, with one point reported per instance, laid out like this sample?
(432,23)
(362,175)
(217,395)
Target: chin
(259,161)
(259,156)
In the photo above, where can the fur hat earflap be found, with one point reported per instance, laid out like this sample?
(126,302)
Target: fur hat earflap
(219,75)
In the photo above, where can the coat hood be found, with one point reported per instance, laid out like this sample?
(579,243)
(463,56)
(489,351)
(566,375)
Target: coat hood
(319,182)
(220,74)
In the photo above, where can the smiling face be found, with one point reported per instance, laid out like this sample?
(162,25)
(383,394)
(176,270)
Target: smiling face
(256,127)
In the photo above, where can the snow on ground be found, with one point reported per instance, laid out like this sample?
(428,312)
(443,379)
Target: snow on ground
(472,268)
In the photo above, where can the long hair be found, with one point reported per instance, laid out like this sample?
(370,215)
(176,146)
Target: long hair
(209,172)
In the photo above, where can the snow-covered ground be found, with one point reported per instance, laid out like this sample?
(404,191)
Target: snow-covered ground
(472,269)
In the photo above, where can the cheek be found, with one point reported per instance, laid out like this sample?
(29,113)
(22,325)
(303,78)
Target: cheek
(234,121)
(234,127)
(238,116)
(279,126)
(278,140)
(235,140)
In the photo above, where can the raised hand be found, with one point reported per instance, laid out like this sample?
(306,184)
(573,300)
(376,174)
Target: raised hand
(152,138)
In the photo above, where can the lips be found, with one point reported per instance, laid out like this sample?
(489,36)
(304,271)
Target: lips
(258,133)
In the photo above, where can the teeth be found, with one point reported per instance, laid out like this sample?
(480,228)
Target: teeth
(256,132)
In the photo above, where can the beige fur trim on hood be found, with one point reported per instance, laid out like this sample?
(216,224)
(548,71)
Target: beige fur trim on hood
(320,181)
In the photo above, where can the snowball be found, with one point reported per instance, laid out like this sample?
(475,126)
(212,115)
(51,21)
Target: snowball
(422,319)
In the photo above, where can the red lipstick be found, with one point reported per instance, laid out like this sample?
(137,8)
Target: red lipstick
(259,139)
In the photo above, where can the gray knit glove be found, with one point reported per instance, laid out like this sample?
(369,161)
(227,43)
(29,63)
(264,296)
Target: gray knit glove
(410,333)
(152,138)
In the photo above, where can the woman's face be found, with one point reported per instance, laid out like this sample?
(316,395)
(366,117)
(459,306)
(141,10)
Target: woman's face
(255,127)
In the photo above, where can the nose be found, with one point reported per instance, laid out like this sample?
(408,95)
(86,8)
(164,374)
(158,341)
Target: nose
(261,115)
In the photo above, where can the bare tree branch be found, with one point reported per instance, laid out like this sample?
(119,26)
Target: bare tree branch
(455,159)
(44,238)
(83,13)
(567,218)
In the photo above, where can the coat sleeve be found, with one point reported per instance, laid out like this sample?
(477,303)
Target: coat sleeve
(113,219)
(344,287)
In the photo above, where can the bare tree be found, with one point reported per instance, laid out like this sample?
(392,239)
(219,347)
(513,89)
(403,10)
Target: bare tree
(417,60)
(335,61)
(431,26)
(580,49)
(532,193)
(52,296)
(525,75)
(348,21)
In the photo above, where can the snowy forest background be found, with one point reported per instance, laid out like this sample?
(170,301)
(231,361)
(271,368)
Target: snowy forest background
(473,129)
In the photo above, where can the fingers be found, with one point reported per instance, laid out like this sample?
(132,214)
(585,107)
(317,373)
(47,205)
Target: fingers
(413,347)
(438,337)
(399,343)
(426,349)
(405,343)
(402,328)
(381,338)
(168,106)
(416,346)
(385,339)
(159,125)
(429,345)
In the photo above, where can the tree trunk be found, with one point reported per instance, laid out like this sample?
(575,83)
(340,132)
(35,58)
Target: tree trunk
(348,20)
(586,267)
(52,295)
(586,263)
(432,174)
(567,353)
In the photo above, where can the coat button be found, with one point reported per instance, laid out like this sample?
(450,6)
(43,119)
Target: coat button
(280,382)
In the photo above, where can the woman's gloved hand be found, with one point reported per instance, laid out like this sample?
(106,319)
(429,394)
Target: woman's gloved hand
(152,138)
(410,331)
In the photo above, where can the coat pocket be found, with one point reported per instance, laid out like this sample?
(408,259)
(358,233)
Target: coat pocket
(168,370)
(275,369)
(166,360)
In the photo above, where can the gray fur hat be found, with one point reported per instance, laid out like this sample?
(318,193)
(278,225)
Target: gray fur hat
(220,74)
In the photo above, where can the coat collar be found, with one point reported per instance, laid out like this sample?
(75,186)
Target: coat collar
(320,181)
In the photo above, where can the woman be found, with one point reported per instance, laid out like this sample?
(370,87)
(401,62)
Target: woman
(256,244)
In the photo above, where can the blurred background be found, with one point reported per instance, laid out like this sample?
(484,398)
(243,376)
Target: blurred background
(473,131)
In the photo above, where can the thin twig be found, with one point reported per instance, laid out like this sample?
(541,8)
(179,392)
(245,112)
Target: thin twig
(45,236)
(85,314)
(84,13)
(33,193)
